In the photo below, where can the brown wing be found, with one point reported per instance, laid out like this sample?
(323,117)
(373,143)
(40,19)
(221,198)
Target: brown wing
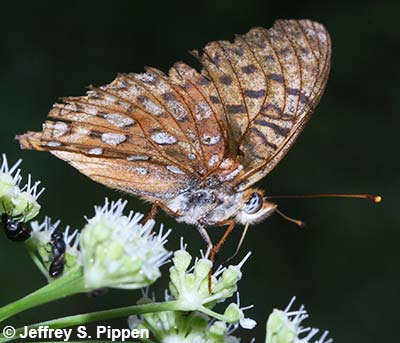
(155,136)
(143,134)
(140,174)
(268,82)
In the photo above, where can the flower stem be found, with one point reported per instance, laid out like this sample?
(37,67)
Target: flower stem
(213,314)
(85,318)
(69,284)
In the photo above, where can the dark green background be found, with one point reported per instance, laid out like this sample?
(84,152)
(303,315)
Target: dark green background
(344,266)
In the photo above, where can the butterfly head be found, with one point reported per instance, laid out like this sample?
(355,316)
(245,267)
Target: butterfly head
(255,208)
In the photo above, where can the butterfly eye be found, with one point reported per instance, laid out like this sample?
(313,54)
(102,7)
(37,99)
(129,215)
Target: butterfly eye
(254,203)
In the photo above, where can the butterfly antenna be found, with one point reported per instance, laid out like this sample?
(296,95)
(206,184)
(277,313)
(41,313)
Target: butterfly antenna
(373,197)
(299,223)
(238,246)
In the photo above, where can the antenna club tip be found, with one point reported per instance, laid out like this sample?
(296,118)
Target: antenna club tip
(301,225)
(376,199)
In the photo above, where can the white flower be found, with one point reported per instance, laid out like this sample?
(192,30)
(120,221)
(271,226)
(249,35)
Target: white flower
(235,314)
(17,200)
(9,176)
(248,323)
(285,327)
(120,252)
(245,323)
(41,234)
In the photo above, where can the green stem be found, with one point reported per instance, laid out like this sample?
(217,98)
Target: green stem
(213,314)
(69,284)
(85,318)
(37,262)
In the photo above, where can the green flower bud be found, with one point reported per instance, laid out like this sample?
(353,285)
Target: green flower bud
(280,329)
(202,269)
(181,260)
(231,276)
(233,313)
(218,330)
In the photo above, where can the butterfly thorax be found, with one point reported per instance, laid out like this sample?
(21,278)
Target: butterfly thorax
(206,206)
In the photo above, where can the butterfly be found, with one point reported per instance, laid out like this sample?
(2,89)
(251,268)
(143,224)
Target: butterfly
(194,143)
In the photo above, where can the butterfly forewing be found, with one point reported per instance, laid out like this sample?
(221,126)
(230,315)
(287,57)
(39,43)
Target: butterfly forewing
(155,135)
(301,50)
(268,82)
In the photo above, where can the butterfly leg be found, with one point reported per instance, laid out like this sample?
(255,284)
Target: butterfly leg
(154,210)
(210,247)
(204,234)
(231,225)
(214,249)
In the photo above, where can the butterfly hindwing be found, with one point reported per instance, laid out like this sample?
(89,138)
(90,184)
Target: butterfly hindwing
(136,173)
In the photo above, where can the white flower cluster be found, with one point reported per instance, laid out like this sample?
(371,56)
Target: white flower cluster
(285,327)
(191,286)
(112,249)
(118,251)
(15,200)
(196,322)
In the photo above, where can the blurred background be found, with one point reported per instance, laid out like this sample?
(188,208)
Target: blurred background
(344,265)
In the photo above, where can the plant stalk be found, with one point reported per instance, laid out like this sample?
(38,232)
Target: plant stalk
(69,284)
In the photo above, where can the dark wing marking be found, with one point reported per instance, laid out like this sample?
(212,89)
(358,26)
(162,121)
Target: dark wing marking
(268,82)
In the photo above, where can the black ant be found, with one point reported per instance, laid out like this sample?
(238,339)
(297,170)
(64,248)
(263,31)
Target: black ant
(58,248)
(14,226)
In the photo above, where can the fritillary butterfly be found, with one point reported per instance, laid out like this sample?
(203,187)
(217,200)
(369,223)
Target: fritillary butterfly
(194,143)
